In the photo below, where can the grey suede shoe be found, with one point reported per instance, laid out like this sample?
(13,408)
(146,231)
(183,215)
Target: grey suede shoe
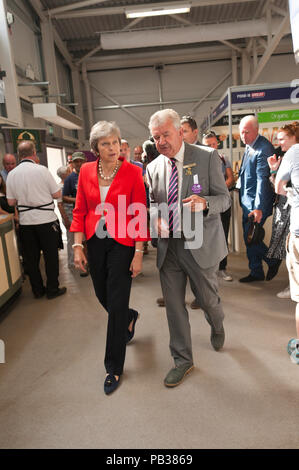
(176,375)
(217,338)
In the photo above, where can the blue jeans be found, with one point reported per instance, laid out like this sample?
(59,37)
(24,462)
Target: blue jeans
(256,253)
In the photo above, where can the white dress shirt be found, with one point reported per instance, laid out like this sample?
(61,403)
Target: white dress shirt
(179,164)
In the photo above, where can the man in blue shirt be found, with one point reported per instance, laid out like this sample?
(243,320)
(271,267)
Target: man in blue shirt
(71,182)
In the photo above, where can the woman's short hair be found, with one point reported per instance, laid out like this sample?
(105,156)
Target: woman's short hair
(160,117)
(102,129)
(61,171)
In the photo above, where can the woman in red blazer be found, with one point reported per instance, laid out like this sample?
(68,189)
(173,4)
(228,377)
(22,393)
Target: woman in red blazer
(111,212)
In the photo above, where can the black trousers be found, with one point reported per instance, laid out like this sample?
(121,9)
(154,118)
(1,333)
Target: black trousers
(109,264)
(225,218)
(34,239)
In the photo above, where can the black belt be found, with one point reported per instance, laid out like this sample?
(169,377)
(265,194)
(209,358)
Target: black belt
(175,234)
(41,207)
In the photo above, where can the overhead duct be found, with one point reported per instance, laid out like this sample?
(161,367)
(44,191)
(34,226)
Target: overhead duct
(58,115)
(187,34)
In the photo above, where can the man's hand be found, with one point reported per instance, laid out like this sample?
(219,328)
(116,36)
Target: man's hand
(195,203)
(162,228)
(257,214)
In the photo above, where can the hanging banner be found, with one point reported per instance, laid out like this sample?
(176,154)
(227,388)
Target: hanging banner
(294,18)
(13,136)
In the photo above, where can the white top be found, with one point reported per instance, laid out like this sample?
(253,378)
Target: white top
(289,171)
(179,164)
(104,191)
(32,185)
(179,157)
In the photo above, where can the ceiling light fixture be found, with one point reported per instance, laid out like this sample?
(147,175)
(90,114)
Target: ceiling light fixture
(157,11)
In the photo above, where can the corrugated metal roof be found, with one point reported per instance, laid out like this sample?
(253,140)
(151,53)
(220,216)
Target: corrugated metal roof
(82,34)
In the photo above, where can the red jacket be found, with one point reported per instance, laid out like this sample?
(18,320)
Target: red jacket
(124,208)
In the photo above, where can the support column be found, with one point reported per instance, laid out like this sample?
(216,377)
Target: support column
(234,68)
(245,68)
(78,99)
(88,97)
(7,62)
(50,59)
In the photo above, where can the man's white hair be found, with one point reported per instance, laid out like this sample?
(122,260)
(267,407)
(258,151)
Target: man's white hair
(251,119)
(164,115)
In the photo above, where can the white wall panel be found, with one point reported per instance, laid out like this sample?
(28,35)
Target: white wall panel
(141,85)
(25,46)
(181,81)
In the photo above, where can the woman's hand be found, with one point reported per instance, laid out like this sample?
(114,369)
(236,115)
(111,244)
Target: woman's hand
(274,162)
(136,265)
(80,260)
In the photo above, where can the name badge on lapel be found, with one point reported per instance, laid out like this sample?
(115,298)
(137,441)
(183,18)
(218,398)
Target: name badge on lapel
(196,187)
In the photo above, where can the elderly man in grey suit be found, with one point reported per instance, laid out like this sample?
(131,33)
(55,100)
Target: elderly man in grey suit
(188,177)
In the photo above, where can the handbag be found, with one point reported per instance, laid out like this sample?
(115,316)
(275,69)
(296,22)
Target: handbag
(256,232)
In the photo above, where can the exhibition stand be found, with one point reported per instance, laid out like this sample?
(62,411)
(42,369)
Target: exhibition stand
(10,269)
(281,101)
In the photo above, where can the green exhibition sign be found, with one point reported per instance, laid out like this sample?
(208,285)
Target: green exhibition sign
(279,116)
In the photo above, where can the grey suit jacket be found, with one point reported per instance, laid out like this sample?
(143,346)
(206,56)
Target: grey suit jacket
(214,190)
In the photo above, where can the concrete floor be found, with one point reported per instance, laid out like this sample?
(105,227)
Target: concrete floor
(51,386)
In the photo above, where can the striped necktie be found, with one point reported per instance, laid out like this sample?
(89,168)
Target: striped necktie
(173,198)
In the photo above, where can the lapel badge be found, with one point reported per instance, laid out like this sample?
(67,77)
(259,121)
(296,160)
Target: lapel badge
(188,170)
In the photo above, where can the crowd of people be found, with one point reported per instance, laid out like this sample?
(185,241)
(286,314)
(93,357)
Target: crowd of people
(111,209)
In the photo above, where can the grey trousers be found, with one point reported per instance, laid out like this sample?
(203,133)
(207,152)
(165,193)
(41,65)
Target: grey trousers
(179,264)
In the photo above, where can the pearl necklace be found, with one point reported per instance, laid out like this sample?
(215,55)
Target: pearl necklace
(109,177)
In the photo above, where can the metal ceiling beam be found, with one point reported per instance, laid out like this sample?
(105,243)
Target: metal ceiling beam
(175,56)
(280,32)
(232,46)
(153,103)
(89,54)
(187,34)
(73,6)
(36,5)
(109,98)
(121,9)
(204,98)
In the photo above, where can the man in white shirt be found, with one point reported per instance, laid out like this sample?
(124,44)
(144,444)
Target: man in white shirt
(32,188)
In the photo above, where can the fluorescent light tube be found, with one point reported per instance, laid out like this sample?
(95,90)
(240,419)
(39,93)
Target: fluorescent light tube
(157,11)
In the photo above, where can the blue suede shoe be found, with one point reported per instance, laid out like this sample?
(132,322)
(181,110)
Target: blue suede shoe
(130,334)
(110,384)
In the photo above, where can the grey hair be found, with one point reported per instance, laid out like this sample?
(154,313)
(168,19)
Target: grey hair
(252,119)
(160,117)
(62,170)
(102,129)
